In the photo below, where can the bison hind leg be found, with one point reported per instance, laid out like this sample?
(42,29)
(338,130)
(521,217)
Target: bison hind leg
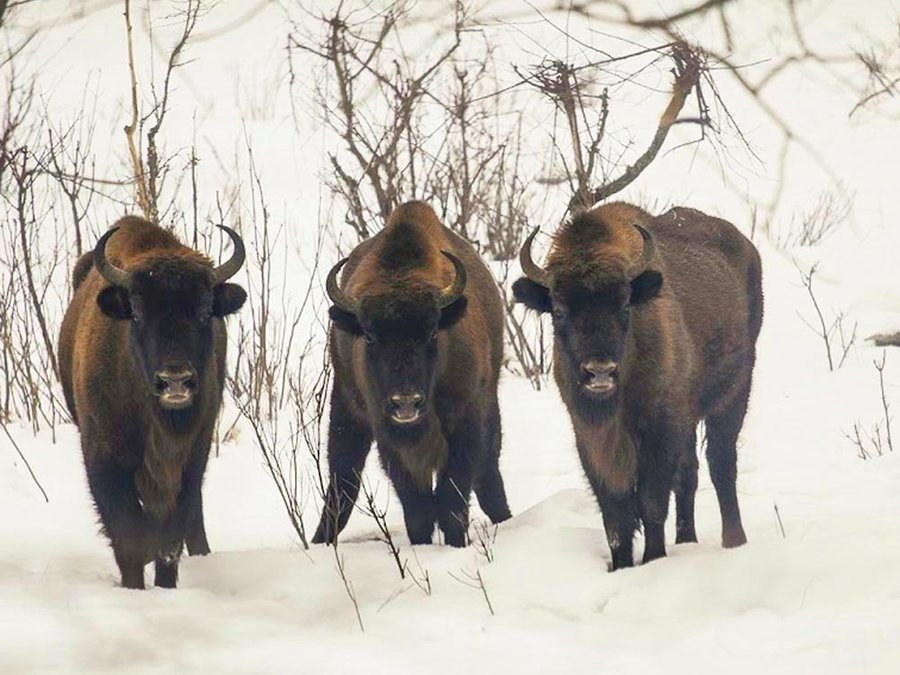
(489,487)
(492,495)
(722,430)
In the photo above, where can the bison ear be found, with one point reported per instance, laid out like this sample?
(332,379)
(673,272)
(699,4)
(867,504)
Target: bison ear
(345,321)
(532,295)
(645,286)
(113,302)
(453,313)
(227,299)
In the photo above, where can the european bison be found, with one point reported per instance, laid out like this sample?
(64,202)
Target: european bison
(655,322)
(416,342)
(142,360)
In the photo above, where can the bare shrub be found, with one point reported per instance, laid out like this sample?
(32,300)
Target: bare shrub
(837,336)
(879,440)
(829,212)
(32,255)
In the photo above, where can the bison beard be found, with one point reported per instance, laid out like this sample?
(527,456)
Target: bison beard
(416,342)
(142,358)
(666,323)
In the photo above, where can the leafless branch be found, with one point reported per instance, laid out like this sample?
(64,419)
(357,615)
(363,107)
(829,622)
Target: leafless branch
(25,461)
(476,581)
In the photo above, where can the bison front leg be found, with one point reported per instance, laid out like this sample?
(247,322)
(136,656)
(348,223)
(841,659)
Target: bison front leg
(685,491)
(183,524)
(348,447)
(416,498)
(116,498)
(195,528)
(454,484)
(654,488)
(620,522)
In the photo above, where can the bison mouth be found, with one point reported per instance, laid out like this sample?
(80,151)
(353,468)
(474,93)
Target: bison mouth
(600,389)
(175,392)
(405,418)
(406,409)
(599,380)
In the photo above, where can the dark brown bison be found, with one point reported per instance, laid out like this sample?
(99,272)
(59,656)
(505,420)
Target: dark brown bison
(655,322)
(142,363)
(416,342)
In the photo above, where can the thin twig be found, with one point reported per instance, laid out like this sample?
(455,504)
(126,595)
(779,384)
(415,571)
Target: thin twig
(27,465)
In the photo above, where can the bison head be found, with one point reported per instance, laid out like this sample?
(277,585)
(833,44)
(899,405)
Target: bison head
(171,302)
(400,329)
(591,307)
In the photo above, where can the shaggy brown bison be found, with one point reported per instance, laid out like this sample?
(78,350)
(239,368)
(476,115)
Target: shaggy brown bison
(142,363)
(655,322)
(416,342)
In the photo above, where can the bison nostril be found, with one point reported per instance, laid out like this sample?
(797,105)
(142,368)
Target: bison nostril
(168,378)
(594,369)
(402,400)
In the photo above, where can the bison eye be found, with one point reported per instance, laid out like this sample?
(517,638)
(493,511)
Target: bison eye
(432,336)
(369,338)
(559,314)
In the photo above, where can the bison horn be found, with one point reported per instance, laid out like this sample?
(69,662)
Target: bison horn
(340,299)
(453,292)
(114,275)
(649,249)
(532,270)
(228,269)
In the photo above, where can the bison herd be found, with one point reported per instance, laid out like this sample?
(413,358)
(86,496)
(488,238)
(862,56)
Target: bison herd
(655,320)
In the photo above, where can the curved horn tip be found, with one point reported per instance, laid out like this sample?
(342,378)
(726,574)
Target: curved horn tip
(336,293)
(114,275)
(454,291)
(531,269)
(649,247)
(229,268)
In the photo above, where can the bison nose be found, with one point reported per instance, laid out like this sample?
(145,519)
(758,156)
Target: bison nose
(406,408)
(176,386)
(599,377)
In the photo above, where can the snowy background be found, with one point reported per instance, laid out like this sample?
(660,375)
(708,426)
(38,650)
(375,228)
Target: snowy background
(816,590)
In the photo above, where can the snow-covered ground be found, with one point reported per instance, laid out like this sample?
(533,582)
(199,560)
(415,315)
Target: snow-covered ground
(823,595)
(816,590)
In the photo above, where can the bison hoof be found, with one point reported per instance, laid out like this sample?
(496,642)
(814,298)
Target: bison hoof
(198,548)
(133,580)
(166,575)
(323,537)
(734,538)
(456,538)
